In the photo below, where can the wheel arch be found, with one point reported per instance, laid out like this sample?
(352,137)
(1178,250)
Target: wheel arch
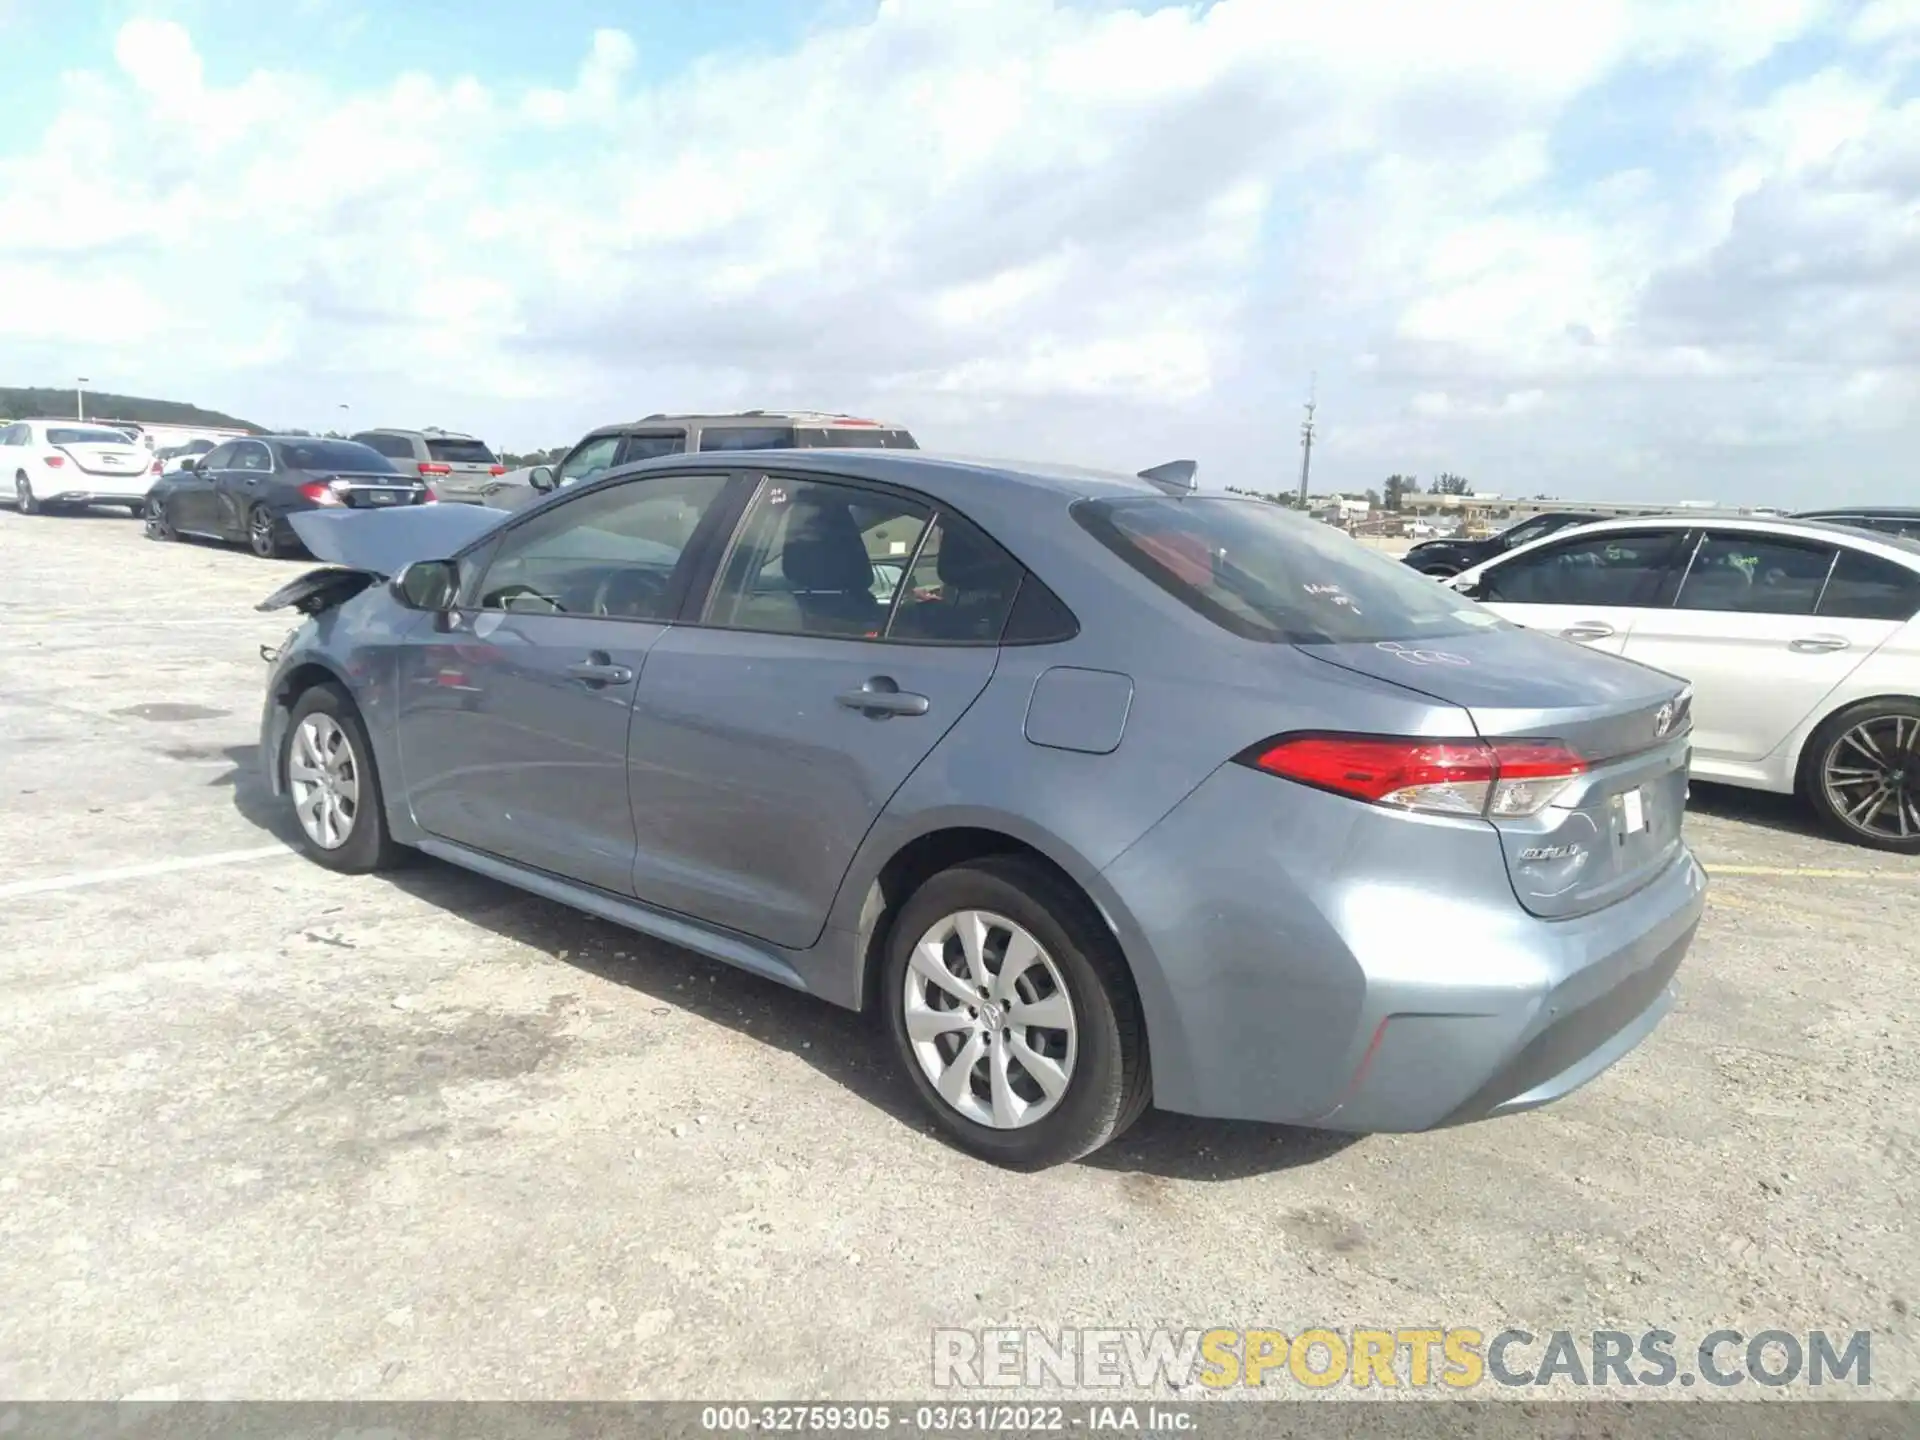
(285,694)
(1802,741)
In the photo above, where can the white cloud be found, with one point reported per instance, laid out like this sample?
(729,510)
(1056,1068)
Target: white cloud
(1092,234)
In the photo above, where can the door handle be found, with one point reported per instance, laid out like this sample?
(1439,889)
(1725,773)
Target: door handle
(882,696)
(1587,630)
(598,669)
(1818,644)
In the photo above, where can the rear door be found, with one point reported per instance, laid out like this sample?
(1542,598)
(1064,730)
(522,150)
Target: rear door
(1748,626)
(515,708)
(1590,589)
(768,736)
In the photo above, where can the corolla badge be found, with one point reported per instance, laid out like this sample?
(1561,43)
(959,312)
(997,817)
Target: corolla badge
(1663,720)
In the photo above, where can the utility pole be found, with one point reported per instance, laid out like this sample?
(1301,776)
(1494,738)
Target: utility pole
(80,397)
(1306,441)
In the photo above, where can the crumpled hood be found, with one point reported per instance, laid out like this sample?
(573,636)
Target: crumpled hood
(381,542)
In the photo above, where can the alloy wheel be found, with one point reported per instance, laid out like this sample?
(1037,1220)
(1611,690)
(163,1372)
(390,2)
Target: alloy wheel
(989,1019)
(156,520)
(324,775)
(260,534)
(1872,777)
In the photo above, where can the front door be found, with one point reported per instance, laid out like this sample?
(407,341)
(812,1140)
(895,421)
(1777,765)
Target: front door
(1590,589)
(515,708)
(239,485)
(192,504)
(768,738)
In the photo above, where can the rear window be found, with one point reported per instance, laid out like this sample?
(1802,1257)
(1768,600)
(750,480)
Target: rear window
(858,438)
(460,452)
(333,455)
(86,435)
(1265,573)
(748,437)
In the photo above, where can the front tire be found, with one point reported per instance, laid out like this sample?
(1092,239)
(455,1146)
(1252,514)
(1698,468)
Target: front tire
(1861,774)
(1013,1015)
(155,516)
(262,538)
(333,789)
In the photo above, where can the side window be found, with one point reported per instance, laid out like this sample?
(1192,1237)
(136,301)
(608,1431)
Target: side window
(1866,587)
(611,554)
(11,435)
(651,447)
(1615,570)
(394,447)
(742,437)
(961,589)
(589,460)
(1527,532)
(1755,575)
(252,457)
(810,559)
(220,457)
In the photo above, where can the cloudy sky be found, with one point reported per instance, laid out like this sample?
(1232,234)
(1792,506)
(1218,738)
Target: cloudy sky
(1664,249)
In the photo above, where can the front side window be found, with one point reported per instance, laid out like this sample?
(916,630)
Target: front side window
(1266,573)
(220,458)
(652,447)
(745,437)
(1607,570)
(1755,575)
(589,459)
(1868,587)
(612,554)
(804,560)
(252,457)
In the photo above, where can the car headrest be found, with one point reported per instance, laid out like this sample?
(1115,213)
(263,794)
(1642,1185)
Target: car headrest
(824,550)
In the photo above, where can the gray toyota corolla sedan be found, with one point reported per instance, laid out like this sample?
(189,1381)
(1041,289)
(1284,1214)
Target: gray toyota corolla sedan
(1099,790)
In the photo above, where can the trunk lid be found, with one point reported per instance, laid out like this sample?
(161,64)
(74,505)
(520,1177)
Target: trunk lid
(101,459)
(1617,825)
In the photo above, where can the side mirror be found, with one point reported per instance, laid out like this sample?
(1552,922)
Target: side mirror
(427,585)
(541,478)
(1472,589)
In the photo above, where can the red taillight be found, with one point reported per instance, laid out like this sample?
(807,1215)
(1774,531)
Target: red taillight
(427,497)
(321,493)
(496,469)
(158,466)
(434,467)
(54,462)
(1497,779)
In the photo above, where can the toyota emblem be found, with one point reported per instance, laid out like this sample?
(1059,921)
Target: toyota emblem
(1663,720)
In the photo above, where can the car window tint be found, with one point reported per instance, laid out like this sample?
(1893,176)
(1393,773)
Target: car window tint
(218,458)
(1614,570)
(86,435)
(1867,587)
(744,437)
(1266,573)
(252,457)
(651,447)
(961,590)
(1755,575)
(804,561)
(612,553)
(589,460)
(333,455)
(394,447)
(1526,532)
(460,452)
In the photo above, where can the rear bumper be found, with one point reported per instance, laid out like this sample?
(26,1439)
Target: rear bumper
(1333,965)
(100,490)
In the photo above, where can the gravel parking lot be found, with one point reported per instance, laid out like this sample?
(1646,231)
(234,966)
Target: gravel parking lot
(269,1131)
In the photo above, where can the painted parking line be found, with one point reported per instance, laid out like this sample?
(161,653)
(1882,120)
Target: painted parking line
(80,879)
(1807,871)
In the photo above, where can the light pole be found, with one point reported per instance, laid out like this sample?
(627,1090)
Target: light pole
(80,384)
(344,413)
(1306,442)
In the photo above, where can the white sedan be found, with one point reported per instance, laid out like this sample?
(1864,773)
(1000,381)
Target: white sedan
(1800,639)
(55,464)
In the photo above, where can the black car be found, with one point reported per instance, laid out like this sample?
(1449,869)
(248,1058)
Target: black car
(1450,557)
(245,489)
(1902,521)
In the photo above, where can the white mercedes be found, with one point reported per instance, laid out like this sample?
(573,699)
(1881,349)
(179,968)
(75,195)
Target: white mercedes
(48,465)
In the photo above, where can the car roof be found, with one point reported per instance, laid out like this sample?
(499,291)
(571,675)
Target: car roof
(1878,512)
(429,431)
(749,418)
(954,478)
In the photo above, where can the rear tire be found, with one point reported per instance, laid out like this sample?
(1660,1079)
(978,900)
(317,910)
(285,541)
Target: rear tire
(261,536)
(1078,974)
(1860,773)
(332,786)
(24,500)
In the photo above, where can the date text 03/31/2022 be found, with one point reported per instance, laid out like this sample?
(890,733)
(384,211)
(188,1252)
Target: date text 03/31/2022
(941,1419)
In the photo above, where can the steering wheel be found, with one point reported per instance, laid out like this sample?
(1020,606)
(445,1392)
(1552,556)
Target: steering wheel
(641,587)
(506,595)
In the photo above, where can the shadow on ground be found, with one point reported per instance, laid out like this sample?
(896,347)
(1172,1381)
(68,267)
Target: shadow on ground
(847,1048)
(1755,807)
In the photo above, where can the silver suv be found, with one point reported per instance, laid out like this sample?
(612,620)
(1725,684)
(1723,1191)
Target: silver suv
(657,435)
(456,467)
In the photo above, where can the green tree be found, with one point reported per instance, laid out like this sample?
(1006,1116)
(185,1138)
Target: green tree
(1398,487)
(1447,483)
